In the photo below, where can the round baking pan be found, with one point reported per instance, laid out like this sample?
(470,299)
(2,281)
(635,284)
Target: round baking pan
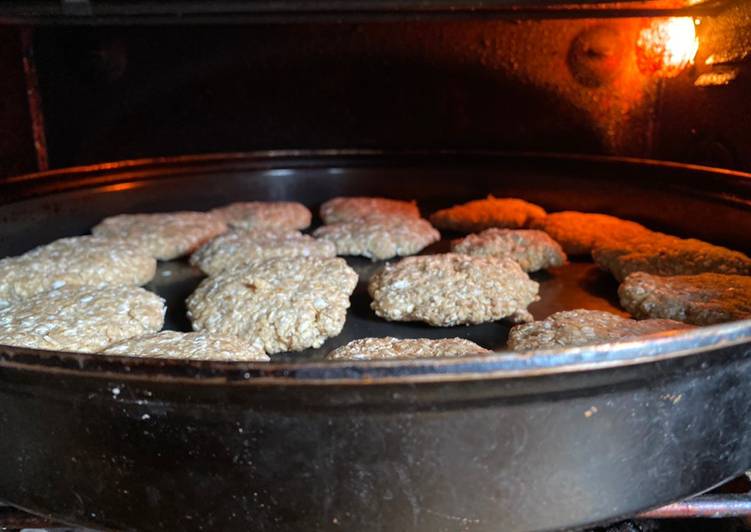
(505,442)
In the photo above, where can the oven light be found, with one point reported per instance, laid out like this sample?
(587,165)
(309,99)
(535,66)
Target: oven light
(667,46)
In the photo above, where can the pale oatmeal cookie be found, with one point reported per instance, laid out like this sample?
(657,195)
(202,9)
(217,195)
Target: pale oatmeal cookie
(389,348)
(533,250)
(354,209)
(82,260)
(164,236)
(81,318)
(662,254)
(578,232)
(572,328)
(452,289)
(239,247)
(278,215)
(190,346)
(287,304)
(478,215)
(701,299)
(379,239)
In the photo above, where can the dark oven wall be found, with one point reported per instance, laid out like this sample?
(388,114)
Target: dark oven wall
(571,85)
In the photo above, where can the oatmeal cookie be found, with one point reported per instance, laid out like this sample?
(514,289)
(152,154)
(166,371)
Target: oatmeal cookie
(164,236)
(452,289)
(239,247)
(82,260)
(533,250)
(277,215)
(189,346)
(355,209)
(662,254)
(379,239)
(286,304)
(478,215)
(81,318)
(578,232)
(572,328)
(701,299)
(399,348)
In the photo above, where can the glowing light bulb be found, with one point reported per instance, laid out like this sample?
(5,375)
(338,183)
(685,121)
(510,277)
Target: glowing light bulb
(667,46)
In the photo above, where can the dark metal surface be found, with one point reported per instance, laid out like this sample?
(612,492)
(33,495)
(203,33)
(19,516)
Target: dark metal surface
(714,506)
(506,442)
(234,11)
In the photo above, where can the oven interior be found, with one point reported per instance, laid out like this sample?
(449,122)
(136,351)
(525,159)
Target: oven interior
(88,82)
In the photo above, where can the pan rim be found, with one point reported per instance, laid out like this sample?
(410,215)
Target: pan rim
(497,365)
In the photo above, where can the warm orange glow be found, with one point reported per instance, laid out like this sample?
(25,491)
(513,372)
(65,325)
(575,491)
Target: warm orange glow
(667,46)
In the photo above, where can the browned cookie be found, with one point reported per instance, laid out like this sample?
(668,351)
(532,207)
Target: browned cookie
(478,215)
(287,304)
(662,254)
(701,299)
(81,260)
(189,346)
(164,236)
(355,209)
(276,215)
(81,318)
(572,328)
(578,232)
(452,289)
(379,238)
(240,247)
(533,250)
(400,348)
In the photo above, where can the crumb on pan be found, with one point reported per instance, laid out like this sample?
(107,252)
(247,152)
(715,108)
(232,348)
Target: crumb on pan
(239,247)
(533,250)
(478,215)
(287,304)
(81,260)
(164,236)
(578,232)
(81,318)
(354,209)
(379,239)
(662,254)
(701,299)
(452,289)
(400,348)
(580,327)
(189,346)
(277,215)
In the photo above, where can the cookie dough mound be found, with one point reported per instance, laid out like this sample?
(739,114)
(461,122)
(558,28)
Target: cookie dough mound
(662,254)
(572,328)
(397,348)
(82,260)
(81,318)
(240,247)
(164,236)
(189,346)
(279,215)
(286,304)
(379,239)
(701,299)
(578,232)
(478,215)
(452,289)
(533,250)
(354,209)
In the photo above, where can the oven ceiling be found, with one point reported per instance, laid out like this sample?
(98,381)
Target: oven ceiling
(236,11)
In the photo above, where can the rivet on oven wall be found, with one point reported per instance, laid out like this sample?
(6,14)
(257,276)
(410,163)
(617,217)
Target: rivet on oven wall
(596,55)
